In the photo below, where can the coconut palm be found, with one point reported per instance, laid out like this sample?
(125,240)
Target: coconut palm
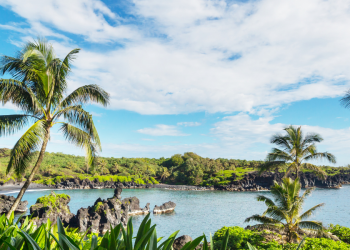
(38,88)
(284,213)
(295,149)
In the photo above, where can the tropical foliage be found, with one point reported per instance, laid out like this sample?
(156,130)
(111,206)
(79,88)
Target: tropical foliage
(38,88)
(294,151)
(284,212)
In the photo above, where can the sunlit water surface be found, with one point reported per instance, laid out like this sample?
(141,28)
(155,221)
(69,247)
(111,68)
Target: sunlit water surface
(199,212)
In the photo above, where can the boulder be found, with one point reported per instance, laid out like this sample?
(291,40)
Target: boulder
(181,241)
(50,207)
(132,206)
(167,207)
(6,203)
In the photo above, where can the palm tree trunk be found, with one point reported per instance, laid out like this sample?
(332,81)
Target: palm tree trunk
(31,176)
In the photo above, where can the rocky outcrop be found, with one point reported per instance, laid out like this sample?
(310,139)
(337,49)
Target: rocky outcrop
(133,206)
(6,203)
(107,213)
(181,241)
(51,207)
(102,215)
(167,207)
(99,217)
(76,183)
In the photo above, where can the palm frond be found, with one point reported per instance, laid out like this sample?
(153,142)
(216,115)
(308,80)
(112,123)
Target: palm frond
(315,225)
(10,124)
(317,170)
(20,95)
(319,156)
(311,138)
(278,154)
(280,140)
(268,202)
(271,165)
(85,94)
(345,101)
(309,212)
(30,141)
(262,219)
(78,116)
(81,139)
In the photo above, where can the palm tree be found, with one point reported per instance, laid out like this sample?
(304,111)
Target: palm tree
(38,88)
(284,212)
(295,150)
(165,174)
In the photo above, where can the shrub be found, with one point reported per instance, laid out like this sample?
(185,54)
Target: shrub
(154,181)
(343,233)
(139,181)
(324,244)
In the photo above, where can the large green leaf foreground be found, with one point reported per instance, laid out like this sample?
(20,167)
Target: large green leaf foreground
(56,237)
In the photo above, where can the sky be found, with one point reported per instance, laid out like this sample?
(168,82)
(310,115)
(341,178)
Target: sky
(213,77)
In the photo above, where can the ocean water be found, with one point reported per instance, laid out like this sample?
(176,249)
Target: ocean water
(199,212)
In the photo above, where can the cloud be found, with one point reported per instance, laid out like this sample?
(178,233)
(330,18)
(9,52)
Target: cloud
(181,56)
(189,124)
(95,114)
(162,130)
(81,17)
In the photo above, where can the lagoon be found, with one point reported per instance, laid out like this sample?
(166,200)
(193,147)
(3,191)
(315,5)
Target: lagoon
(199,212)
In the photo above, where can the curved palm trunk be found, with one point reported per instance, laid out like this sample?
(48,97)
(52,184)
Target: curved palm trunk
(31,176)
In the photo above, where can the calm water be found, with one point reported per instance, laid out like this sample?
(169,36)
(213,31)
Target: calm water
(199,212)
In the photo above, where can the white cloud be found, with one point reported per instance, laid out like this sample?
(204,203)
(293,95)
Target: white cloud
(189,124)
(286,51)
(82,17)
(162,130)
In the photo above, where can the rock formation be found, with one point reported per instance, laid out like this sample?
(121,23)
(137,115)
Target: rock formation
(181,241)
(6,204)
(167,207)
(50,207)
(99,217)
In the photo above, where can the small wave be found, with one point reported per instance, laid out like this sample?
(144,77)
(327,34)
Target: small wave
(29,190)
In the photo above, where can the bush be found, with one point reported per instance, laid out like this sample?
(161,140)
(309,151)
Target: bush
(343,233)
(238,238)
(324,244)
(154,181)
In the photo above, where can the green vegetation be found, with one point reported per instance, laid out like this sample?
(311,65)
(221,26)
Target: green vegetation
(56,237)
(52,199)
(57,167)
(343,233)
(188,168)
(295,149)
(39,89)
(98,206)
(284,213)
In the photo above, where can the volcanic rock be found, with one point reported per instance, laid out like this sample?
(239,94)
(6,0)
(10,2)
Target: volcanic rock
(167,207)
(6,203)
(181,241)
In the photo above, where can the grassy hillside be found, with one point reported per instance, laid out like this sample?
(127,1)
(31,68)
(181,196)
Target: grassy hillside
(188,168)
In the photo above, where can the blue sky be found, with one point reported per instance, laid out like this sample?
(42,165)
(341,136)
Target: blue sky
(213,77)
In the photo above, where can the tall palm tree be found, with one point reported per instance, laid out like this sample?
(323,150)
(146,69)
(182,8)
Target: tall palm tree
(38,88)
(295,149)
(284,213)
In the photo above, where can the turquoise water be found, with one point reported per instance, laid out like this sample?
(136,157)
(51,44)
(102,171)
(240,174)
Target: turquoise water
(199,212)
